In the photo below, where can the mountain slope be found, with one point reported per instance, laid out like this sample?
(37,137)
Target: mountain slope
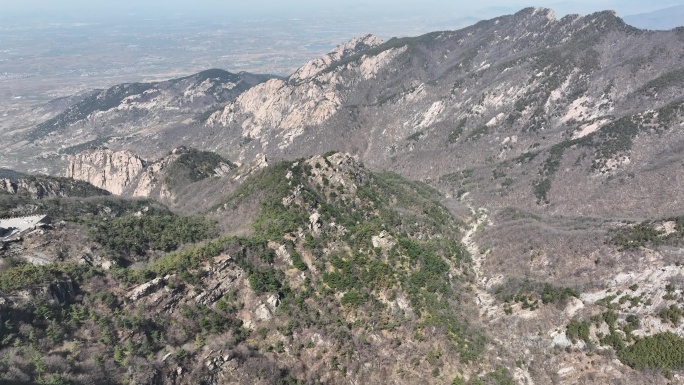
(124,112)
(43,186)
(10,174)
(171,179)
(554,255)
(346,275)
(480,99)
(539,112)
(319,270)
(131,103)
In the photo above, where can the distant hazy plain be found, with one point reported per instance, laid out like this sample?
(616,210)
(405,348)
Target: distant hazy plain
(51,49)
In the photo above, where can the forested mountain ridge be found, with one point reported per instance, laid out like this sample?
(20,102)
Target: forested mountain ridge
(340,265)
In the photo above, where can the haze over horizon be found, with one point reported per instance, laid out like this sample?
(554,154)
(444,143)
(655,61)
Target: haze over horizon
(52,49)
(88,10)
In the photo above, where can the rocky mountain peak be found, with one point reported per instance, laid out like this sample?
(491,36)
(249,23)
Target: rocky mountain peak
(342,51)
(544,19)
(537,12)
(354,46)
(610,18)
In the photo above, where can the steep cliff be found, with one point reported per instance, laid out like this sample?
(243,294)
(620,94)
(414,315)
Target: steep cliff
(274,114)
(125,173)
(114,171)
(341,52)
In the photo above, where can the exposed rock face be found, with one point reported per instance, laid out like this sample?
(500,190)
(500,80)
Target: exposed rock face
(279,106)
(8,186)
(111,170)
(124,173)
(587,95)
(383,241)
(60,292)
(315,223)
(147,181)
(279,111)
(40,189)
(341,170)
(146,289)
(262,312)
(342,51)
(281,252)
(550,116)
(129,107)
(261,162)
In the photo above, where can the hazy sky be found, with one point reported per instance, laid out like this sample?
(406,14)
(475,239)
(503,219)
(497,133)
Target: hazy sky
(265,8)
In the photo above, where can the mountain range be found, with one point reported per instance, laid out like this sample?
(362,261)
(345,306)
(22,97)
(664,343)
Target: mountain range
(528,98)
(495,205)
(663,19)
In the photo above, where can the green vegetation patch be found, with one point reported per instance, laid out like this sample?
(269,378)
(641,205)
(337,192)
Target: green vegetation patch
(529,293)
(640,235)
(477,133)
(12,175)
(499,376)
(646,234)
(187,259)
(422,263)
(26,275)
(204,116)
(614,138)
(548,171)
(669,79)
(668,115)
(672,314)
(415,136)
(662,351)
(525,157)
(89,326)
(356,271)
(192,166)
(132,235)
(458,131)
(578,330)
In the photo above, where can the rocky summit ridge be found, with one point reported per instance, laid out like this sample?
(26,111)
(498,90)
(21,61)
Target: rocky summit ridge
(516,97)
